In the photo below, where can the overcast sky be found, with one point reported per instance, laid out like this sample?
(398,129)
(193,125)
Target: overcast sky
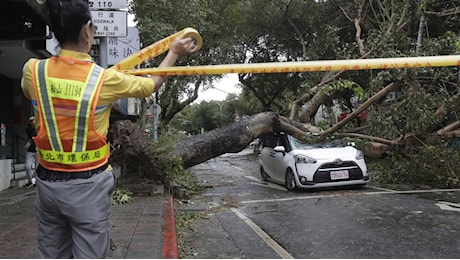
(228,84)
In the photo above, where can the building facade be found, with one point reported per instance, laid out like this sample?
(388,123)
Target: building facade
(23,35)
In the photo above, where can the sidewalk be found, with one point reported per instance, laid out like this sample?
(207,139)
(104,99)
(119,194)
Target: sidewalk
(144,228)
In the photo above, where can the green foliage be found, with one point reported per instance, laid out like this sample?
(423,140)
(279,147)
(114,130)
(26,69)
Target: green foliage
(158,19)
(411,112)
(209,115)
(175,176)
(256,31)
(122,196)
(434,166)
(344,91)
(323,124)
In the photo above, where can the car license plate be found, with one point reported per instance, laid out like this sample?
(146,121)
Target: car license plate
(339,175)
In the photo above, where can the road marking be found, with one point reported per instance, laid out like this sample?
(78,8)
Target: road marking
(417,191)
(269,185)
(378,188)
(252,178)
(259,182)
(382,190)
(265,237)
(361,193)
(448,206)
(236,167)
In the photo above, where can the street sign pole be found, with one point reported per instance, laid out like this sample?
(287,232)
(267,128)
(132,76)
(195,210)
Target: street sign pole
(103,58)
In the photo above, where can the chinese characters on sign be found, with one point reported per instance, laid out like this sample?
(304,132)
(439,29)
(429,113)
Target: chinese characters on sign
(120,48)
(110,23)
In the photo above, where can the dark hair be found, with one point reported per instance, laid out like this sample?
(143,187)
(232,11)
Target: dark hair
(67,18)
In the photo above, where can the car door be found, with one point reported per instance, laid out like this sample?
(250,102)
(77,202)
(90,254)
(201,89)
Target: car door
(267,153)
(279,162)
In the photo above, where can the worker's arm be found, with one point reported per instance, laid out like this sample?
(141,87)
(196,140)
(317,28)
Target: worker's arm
(180,46)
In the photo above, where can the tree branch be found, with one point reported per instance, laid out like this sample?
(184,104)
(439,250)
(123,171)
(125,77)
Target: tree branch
(449,127)
(452,11)
(368,137)
(361,108)
(357,22)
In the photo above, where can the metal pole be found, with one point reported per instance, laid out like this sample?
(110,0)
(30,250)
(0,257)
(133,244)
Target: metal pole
(103,58)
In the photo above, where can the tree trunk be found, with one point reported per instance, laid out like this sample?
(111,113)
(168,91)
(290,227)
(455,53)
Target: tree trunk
(132,146)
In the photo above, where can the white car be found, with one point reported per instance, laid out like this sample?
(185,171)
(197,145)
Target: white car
(287,161)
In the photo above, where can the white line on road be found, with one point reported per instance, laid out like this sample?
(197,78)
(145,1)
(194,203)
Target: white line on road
(378,188)
(236,167)
(269,185)
(416,191)
(272,243)
(361,193)
(264,183)
(252,178)
(448,206)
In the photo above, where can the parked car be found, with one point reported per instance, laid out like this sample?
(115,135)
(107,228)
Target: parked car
(287,161)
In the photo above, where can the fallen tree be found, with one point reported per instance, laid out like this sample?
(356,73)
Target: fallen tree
(134,145)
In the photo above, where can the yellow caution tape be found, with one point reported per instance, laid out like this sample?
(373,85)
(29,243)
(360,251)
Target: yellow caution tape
(156,49)
(305,66)
(163,45)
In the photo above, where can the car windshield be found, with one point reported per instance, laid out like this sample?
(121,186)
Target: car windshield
(297,144)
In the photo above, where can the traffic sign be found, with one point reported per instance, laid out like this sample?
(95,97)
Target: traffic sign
(111,4)
(110,23)
(122,47)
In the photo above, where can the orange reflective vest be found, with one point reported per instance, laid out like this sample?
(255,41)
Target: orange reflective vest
(67,91)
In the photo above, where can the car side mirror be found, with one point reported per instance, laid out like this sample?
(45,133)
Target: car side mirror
(280,149)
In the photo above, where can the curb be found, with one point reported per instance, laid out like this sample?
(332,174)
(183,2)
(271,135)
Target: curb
(170,249)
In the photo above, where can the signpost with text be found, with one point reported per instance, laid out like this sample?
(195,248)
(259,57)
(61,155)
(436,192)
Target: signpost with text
(109,21)
(121,47)
(111,4)
(116,40)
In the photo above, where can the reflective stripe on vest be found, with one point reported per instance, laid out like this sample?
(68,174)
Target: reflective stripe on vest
(83,93)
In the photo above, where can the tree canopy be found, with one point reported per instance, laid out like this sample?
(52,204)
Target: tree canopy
(401,106)
(258,31)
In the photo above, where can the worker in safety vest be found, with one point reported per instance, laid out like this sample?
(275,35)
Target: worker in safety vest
(72,98)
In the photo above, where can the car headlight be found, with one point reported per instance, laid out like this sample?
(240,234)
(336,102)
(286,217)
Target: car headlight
(359,155)
(298,158)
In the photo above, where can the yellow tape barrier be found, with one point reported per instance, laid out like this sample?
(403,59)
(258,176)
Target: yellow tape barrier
(156,49)
(305,66)
(163,45)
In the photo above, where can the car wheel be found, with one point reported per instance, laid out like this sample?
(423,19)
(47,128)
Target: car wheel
(290,180)
(263,174)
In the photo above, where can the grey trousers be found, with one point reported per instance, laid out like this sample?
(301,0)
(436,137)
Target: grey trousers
(74,216)
(31,165)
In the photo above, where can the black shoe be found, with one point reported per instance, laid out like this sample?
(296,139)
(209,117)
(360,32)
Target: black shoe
(28,185)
